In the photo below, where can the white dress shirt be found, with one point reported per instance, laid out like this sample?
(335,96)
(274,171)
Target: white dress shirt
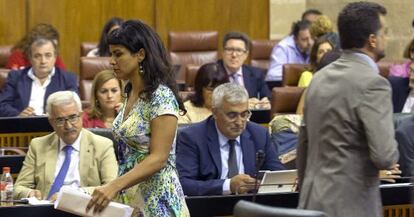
(72,178)
(37,96)
(224,153)
(409,103)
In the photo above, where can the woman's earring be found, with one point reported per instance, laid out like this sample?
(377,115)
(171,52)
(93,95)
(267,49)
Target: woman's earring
(141,69)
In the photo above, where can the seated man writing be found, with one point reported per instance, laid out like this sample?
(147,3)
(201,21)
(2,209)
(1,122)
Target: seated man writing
(70,156)
(217,156)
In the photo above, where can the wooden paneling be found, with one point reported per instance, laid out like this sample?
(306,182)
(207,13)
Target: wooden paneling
(79,20)
(248,16)
(13,21)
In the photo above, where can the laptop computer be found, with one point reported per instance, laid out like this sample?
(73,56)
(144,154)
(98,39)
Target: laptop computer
(278,181)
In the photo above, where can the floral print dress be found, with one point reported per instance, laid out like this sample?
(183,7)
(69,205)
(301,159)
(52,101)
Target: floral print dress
(161,194)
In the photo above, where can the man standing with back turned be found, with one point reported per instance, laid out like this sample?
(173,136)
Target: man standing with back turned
(348,133)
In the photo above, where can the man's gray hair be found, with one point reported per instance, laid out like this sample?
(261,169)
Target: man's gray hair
(37,42)
(62,98)
(232,93)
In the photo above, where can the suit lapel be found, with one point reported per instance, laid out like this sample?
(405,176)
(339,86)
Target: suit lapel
(26,89)
(213,144)
(84,158)
(50,161)
(247,79)
(52,87)
(248,150)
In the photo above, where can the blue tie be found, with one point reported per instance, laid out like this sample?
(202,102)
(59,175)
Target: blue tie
(60,178)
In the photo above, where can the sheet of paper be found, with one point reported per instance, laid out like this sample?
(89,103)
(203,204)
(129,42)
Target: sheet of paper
(73,201)
(35,201)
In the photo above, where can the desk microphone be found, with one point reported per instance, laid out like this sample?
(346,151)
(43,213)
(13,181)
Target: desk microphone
(260,156)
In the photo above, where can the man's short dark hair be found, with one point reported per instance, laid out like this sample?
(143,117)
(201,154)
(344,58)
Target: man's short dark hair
(357,21)
(239,36)
(299,26)
(311,11)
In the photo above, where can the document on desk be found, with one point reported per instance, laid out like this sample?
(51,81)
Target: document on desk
(74,201)
(35,201)
(396,185)
(278,181)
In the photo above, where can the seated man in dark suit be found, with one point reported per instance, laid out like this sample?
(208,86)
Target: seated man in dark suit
(405,138)
(217,156)
(236,46)
(402,94)
(26,90)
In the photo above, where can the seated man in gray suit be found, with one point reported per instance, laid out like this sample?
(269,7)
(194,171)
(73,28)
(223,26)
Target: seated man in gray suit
(70,156)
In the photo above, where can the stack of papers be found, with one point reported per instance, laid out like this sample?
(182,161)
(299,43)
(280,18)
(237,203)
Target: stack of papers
(73,201)
(35,201)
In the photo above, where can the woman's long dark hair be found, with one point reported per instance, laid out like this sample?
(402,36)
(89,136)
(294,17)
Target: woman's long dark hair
(314,51)
(209,75)
(135,35)
(103,47)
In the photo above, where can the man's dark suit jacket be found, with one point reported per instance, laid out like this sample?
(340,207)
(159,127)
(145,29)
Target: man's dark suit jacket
(15,96)
(400,90)
(405,138)
(254,81)
(199,160)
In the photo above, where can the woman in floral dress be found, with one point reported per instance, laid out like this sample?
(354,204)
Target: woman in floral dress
(145,128)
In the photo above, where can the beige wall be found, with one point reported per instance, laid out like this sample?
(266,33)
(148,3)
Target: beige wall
(399,18)
(282,14)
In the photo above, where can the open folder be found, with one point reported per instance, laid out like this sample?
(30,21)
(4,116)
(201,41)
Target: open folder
(278,181)
(73,201)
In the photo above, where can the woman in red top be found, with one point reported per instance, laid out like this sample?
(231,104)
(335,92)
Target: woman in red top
(18,58)
(106,99)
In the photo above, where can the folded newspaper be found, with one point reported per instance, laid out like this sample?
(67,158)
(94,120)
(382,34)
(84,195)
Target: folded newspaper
(74,201)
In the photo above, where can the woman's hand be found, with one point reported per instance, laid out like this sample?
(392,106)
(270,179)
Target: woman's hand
(118,107)
(101,197)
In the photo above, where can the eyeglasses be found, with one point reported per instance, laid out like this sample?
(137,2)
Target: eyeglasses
(73,119)
(237,51)
(232,116)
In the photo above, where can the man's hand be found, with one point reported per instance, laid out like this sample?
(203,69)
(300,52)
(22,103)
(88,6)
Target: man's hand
(35,193)
(29,111)
(390,174)
(238,184)
(53,197)
(255,103)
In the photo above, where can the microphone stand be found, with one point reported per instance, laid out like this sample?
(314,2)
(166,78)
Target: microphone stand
(260,156)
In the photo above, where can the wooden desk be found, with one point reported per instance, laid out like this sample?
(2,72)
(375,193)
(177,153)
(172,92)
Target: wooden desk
(392,198)
(396,201)
(18,131)
(260,116)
